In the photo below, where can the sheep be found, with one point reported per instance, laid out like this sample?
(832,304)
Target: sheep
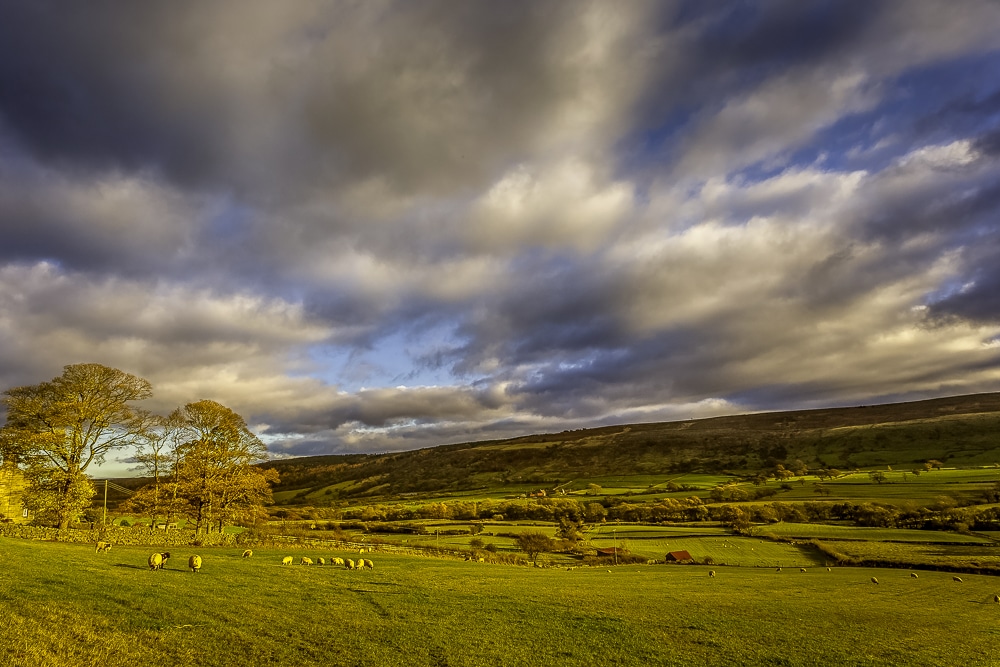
(287,560)
(913,575)
(778,570)
(367,563)
(802,569)
(711,573)
(165,555)
(306,560)
(102,546)
(155,562)
(874,580)
(996,598)
(337,561)
(350,564)
(248,553)
(829,569)
(194,562)
(958,579)
(321,561)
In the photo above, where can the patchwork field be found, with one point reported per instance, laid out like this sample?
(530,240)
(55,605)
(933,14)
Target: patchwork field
(109,609)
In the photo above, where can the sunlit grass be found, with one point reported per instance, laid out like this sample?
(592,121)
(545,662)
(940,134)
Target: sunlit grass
(64,605)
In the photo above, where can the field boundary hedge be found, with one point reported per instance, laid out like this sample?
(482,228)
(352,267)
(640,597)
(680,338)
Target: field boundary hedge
(120,536)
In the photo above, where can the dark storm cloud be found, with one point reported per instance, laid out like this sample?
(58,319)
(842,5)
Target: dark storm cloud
(977,299)
(383,225)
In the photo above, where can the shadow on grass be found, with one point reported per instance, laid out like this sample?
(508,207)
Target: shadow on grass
(144,567)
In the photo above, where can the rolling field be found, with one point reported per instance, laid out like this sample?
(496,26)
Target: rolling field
(834,532)
(930,555)
(61,604)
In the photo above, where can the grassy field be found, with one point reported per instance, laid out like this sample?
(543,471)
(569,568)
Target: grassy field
(928,555)
(63,604)
(835,532)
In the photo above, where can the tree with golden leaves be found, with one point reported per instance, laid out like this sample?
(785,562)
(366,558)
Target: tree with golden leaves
(58,428)
(214,472)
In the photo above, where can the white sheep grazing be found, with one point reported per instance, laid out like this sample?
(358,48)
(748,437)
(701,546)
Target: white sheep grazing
(321,561)
(913,575)
(337,561)
(802,569)
(194,562)
(102,546)
(874,580)
(155,562)
(287,560)
(711,573)
(958,579)
(248,553)
(778,570)
(350,564)
(306,560)
(365,563)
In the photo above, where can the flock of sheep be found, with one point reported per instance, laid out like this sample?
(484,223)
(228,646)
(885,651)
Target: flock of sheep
(350,564)
(158,561)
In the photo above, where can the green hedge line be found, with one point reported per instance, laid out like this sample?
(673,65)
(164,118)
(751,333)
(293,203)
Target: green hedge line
(120,536)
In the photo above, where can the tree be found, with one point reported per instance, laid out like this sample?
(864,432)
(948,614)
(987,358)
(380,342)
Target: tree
(877,476)
(214,470)
(62,426)
(594,513)
(157,450)
(533,543)
(594,489)
(570,529)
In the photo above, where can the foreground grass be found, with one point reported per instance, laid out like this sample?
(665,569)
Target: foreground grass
(62,604)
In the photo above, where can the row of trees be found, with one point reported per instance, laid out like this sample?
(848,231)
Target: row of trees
(201,457)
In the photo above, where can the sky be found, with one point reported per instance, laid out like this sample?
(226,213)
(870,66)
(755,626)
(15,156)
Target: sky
(385,225)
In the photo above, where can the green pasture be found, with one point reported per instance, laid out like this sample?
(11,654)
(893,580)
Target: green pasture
(838,532)
(986,554)
(626,530)
(859,487)
(62,604)
(746,552)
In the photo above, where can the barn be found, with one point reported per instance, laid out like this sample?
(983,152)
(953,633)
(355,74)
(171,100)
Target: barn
(679,557)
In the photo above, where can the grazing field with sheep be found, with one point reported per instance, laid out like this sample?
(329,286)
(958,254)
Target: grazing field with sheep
(111,609)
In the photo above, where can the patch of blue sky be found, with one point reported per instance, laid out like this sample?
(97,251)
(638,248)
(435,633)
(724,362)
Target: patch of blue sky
(230,220)
(947,289)
(934,104)
(402,358)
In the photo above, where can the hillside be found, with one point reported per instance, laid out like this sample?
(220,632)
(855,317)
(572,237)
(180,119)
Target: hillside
(956,430)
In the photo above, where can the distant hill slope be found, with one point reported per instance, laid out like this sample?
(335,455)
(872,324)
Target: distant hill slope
(956,430)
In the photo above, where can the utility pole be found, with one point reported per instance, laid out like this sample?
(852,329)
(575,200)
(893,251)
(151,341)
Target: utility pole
(614,533)
(104,521)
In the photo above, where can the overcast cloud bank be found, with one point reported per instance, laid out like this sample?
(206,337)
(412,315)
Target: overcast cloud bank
(387,225)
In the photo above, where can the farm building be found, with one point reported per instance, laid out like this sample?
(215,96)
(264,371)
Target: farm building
(678,557)
(12,485)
